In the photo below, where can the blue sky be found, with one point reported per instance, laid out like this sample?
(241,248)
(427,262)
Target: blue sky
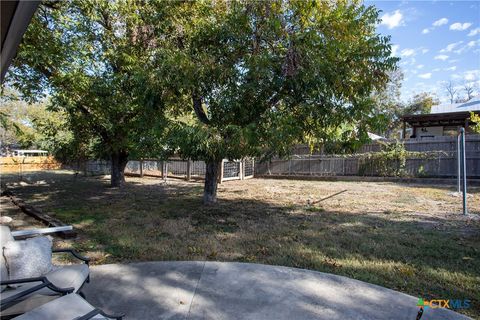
(437,41)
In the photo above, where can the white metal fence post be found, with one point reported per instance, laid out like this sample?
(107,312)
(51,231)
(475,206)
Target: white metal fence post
(459,164)
(464,169)
(241,172)
(220,176)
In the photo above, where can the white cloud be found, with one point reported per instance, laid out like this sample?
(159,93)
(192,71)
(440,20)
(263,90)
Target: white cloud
(471,75)
(474,32)
(458,26)
(440,22)
(436,70)
(467,47)
(395,48)
(435,24)
(425,75)
(420,66)
(441,57)
(451,68)
(451,46)
(453,60)
(411,52)
(473,43)
(407,52)
(392,20)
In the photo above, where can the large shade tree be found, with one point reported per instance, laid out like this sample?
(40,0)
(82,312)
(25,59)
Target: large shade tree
(261,76)
(94,58)
(32,126)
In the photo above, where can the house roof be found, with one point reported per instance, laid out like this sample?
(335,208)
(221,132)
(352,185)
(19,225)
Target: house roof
(471,105)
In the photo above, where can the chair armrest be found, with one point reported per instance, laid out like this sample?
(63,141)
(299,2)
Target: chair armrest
(24,280)
(44,282)
(96,311)
(73,253)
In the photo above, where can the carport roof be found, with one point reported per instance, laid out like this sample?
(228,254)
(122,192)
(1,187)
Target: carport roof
(437,119)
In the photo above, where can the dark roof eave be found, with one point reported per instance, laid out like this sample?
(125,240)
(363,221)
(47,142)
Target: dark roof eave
(463,115)
(19,19)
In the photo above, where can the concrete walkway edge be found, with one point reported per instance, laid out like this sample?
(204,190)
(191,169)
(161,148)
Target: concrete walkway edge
(231,290)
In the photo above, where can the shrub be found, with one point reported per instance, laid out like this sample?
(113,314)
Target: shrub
(389,162)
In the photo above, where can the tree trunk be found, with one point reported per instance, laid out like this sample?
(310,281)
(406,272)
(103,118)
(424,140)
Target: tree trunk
(211,181)
(119,162)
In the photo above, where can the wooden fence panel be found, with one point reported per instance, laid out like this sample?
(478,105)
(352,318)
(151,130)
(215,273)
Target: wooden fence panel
(442,143)
(436,166)
(23,164)
(441,163)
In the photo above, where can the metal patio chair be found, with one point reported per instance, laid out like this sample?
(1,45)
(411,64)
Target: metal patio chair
(22,295)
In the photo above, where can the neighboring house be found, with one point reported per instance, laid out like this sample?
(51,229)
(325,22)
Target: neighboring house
(443,120)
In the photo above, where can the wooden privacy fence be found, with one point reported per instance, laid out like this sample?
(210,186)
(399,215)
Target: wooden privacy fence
(441,143)
(24,164)
(441,161)
(188,169)
(440,165)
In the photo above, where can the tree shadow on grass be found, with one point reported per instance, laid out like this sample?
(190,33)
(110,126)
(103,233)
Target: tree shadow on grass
(427,256)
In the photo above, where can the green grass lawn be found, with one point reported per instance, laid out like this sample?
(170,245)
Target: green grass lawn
(408,238)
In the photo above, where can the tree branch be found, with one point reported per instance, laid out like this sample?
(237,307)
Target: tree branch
(197,107)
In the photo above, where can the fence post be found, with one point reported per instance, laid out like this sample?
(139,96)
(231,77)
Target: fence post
(309,164)
(189,169)
(164,170)
(459,165)
(464,169)
(241,172)
(141,168)
(220,175)
(253,167)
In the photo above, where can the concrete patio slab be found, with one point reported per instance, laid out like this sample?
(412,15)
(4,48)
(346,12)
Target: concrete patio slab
(222,290)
